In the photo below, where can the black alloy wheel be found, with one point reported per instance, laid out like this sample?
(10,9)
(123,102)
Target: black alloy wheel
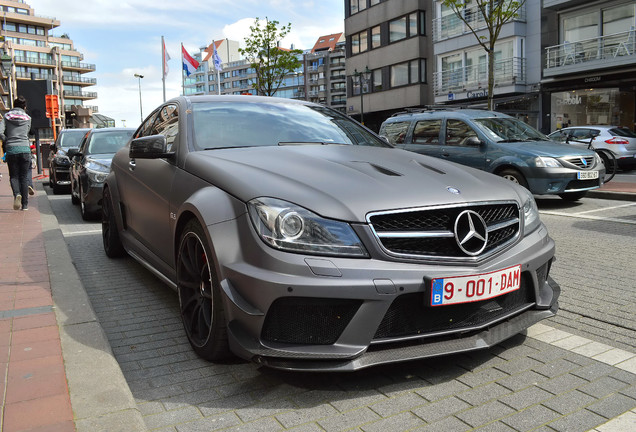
(200,296)
(110,236)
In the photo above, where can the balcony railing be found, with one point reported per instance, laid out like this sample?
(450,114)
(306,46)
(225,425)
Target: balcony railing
(614,46)
(79,94)
(78,65)
(507,72)
(451,25)
(34,75)
(33,60)
(74,79)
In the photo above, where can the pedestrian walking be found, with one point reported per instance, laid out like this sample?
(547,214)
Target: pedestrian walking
(14,130)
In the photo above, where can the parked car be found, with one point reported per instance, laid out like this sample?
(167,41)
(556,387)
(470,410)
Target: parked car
(499,144)
(90,165)
(621,141)
(298,239)
(59,163)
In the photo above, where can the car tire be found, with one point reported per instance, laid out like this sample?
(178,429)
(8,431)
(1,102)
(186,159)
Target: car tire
(110,235)
(514,176)
(200,301)
(75,200)
(573,196)
(86,215)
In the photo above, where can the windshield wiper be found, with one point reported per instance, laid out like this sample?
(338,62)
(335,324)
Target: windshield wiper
(292,143)
(226,147)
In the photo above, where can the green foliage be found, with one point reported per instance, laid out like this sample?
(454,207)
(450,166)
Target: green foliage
(270,62)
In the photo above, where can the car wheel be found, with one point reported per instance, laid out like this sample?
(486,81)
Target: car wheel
(110,235)
(573,196)
(75,200)
(200,302)
(86,215)
(514,176)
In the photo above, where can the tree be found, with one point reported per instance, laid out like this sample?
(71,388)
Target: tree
(494,14)
(270,62)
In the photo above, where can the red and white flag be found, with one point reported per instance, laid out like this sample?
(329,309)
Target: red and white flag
(189,63)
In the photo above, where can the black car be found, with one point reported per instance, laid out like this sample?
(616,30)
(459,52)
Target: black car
(90,165)
(59,163)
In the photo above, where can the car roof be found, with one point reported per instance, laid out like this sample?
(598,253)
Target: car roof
(241,98)
(462,113)
(111,129)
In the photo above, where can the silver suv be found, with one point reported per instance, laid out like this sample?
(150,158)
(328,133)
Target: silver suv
(499,144)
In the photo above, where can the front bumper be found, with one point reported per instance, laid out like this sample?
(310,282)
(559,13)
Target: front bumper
(545,181)
(300,312)
(93,197)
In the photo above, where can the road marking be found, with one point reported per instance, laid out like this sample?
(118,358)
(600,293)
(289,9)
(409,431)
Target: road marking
(616,357)
(78,233)
(582,216)
(608,208)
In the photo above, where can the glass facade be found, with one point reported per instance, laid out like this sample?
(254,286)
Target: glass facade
(604,106)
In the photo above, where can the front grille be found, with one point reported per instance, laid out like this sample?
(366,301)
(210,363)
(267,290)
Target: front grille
(582,162)
(431,232)
(582,184)
(412,315)
(312,321)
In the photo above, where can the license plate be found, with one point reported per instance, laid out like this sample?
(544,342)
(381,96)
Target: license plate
(465,289)
(587,175)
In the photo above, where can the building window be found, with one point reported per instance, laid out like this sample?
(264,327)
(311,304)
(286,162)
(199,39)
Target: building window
(405,73)
(359,43)
(376,37)
(357,6)
(376,80)
(397,29)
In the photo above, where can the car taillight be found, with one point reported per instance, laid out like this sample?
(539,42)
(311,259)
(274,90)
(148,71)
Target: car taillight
(616,141)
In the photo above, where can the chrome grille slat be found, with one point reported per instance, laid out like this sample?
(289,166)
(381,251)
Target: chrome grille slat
(578,161)
(428,233)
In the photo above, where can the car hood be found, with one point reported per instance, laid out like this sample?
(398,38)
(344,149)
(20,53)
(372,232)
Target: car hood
(346,182)
(548,148)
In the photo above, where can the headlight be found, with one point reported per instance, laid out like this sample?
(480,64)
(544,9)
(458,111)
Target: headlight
(96,172)
(547,162)
(291,228)
(531,219)
(62,160)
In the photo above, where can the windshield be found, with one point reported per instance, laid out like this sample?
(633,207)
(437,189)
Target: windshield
(506,129)
(71,139)
(228,124)
(108,142)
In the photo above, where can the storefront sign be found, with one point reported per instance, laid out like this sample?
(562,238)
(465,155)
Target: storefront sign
(569,99)
(592,79)
(477,94)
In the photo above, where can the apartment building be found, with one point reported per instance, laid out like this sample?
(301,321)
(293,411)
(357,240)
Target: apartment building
(589,60)
(461,64)
(324,69)
(204,80)
(31,51)
(388,53)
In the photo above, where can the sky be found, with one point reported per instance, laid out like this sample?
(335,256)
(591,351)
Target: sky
(123,38)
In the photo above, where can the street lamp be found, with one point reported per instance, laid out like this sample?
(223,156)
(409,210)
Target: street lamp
(141,112)
(362,75)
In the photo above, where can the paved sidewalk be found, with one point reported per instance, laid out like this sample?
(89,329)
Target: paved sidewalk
(57,369)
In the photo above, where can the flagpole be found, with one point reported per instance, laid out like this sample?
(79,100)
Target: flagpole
(182,73)
(163,67)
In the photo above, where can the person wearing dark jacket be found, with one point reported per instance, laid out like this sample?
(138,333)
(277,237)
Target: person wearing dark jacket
(14,129)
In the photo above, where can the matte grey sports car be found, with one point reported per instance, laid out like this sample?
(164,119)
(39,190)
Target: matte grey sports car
(298,239)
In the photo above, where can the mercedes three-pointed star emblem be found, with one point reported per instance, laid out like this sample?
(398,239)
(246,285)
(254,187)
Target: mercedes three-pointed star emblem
(471,232)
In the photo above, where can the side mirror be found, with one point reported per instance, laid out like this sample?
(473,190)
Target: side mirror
(473,142)
(53,148)
(72,152)
(149,147)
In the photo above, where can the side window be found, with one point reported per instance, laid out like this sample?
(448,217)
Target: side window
(146,128)
(395,132)
(457,132)
(167,123)
(582,134)
(427,132)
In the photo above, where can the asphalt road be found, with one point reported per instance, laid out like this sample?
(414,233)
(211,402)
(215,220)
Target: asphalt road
(527,383)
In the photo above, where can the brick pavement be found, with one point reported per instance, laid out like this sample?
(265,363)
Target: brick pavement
(550,380)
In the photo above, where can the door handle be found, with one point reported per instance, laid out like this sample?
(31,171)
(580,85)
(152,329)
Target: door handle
(132,165)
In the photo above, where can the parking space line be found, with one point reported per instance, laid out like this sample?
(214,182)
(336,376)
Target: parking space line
(607,208)
(582,216)
(78,233)
(616,357)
